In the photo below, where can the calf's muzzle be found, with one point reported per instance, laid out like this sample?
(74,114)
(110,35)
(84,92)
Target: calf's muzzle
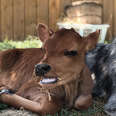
(42,69)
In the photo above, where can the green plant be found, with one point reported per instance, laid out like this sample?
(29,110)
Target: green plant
(29,42)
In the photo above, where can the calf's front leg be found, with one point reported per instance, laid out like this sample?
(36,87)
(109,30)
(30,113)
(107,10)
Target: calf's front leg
(84,100)
(43,106)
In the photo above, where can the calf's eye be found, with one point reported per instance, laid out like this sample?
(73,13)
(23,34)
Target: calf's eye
(70,53)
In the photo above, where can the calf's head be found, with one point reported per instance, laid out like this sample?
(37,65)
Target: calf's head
(64,54)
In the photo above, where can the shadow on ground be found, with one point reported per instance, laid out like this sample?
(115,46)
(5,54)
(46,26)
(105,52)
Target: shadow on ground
(95,110)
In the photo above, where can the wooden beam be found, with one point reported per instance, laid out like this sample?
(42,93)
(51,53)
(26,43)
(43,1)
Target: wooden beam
(43,11)
(54,12)
(19,14)
(30,17)
(6,19)
(108,16)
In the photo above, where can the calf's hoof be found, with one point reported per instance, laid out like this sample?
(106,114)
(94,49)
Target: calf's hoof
(83,102)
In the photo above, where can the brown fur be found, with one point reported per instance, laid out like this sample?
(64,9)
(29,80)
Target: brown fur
(74,84)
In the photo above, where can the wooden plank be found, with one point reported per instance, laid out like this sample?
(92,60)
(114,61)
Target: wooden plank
(74,0)
(67,2)
(54,12)
(43,11)
(63,4)
(18,19)
(108,16)
(0,22)
(114,26)
(30,17)
(100,1)
(6,19)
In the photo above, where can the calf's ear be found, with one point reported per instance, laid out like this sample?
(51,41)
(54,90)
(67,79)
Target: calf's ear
(44,32)
(92,39)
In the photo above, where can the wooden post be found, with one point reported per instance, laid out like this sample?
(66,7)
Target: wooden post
(6,19)
(18,11)
(30,17)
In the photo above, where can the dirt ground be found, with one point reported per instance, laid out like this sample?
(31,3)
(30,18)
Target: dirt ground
(14,112)
(95,110)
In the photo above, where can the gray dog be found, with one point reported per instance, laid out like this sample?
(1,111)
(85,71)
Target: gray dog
(102,62)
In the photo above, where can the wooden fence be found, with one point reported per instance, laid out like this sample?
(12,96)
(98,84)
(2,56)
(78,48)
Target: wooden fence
(18,18)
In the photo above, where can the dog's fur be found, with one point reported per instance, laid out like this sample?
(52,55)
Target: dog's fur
(102,62)
(74,84)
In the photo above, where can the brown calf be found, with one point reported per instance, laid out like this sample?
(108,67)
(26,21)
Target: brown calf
(46,78)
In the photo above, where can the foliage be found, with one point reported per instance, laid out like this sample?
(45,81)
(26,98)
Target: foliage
(95,110)
(3,106)
(29,42)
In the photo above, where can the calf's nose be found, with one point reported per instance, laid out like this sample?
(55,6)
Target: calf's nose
(42,69)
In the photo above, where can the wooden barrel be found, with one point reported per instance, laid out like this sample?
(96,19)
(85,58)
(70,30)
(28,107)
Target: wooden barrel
(85,12)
